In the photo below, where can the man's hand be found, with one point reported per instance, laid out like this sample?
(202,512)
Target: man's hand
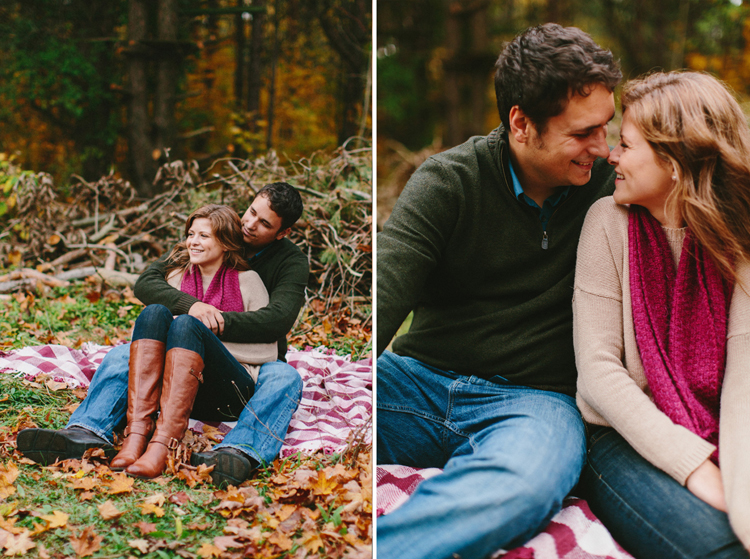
(705,483)
(209,315)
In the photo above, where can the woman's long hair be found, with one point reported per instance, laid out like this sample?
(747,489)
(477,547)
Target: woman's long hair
(693,121)
(225,225)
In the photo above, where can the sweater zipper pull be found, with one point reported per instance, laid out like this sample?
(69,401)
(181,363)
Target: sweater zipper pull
(545,241)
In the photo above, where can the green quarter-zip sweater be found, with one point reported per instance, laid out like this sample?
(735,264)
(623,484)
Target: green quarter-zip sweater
(467,257)
(282,267)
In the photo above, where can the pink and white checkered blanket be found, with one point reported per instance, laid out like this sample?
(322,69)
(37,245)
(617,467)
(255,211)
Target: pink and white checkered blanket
(573,533)
(336,404)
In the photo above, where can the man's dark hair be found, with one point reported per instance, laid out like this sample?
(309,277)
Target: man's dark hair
(284,200)
(542,66)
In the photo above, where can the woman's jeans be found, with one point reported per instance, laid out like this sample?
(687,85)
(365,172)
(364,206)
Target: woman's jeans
(510,456)
(263,410)
(649,513)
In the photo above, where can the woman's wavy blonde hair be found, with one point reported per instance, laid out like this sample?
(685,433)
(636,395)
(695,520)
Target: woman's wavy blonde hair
(225,225)
(693,121)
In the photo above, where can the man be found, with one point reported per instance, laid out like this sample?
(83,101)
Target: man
(481,245)
(262,425)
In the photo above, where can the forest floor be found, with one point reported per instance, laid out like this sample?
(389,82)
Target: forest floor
(301,506)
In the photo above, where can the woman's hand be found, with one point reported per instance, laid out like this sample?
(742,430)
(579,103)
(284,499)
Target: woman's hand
(705,483)
(209,315)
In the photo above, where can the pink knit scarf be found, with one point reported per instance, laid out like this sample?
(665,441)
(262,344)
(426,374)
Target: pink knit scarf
(223,292)
(680,319)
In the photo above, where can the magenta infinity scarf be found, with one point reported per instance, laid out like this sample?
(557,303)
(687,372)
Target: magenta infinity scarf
(223,293)
(680,319)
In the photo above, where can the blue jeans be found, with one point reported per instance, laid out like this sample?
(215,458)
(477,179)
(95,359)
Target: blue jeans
(263,410)
(510,455)
(647,511)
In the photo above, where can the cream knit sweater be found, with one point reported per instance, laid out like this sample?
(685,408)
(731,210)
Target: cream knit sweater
(612,387)
(254,297)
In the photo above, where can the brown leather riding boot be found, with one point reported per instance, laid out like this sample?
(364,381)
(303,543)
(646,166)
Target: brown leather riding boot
(183,373)
(146,368)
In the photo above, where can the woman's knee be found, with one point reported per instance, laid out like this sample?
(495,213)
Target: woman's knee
(153,322)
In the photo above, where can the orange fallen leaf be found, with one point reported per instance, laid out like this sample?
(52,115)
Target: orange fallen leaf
(109,511)
(323,486)
(121,483)
(84,484)
(283,541)
(208,550)
(150,508)
(86,543)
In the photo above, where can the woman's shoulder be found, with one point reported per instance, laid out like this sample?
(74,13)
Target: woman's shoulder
(251,284)
(607,209)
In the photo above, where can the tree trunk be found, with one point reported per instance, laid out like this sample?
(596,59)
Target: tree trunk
(272,84)
(255,66)
(239,58)
(139,133)
(166,79)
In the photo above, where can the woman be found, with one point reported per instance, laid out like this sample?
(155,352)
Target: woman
(662,324)
(176,361)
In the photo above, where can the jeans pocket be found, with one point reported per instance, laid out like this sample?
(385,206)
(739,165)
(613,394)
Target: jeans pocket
(597,433)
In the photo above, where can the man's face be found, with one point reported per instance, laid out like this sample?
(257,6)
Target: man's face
(565,152)
(261,225)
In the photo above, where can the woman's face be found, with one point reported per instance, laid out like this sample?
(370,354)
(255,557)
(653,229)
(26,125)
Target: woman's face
(643,178)
(203,247)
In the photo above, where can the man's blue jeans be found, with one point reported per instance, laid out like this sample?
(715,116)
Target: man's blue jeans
(648,512)
(264,408)
(510,455)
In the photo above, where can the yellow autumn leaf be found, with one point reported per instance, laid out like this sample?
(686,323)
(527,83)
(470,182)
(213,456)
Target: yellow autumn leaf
(56,520)
(150,508)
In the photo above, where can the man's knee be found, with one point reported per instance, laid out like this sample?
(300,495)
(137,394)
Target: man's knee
(114,364)
(283,377)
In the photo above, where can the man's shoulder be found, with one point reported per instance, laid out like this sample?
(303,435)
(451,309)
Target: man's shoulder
(285,252)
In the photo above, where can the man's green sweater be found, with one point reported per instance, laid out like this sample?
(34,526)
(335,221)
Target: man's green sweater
(466,256)
(282,267)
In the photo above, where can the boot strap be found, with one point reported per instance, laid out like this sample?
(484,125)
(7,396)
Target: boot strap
(170,442)
(142,429)
(198,375)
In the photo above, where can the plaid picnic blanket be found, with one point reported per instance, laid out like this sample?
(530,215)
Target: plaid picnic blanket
(573,533)
(336,404)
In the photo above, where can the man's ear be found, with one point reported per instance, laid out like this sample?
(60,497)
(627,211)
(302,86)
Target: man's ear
(283,233)
(519,124)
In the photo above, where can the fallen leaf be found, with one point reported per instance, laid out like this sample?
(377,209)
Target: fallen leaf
(225,542)
(18,545)
(150,508)
(179,498)
(283,541)
(155,499)
(145,527)
(86,543)
(208,550)
(109,511)
(85,484)
(56,520)
(121,483)
(140,545)
(323,486)
(85,496)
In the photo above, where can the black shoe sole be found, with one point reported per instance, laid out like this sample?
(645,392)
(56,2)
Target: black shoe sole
(229,469)
(47,446)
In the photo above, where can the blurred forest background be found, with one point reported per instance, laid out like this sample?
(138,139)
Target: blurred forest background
(435,62)
(119,118)
(87,87)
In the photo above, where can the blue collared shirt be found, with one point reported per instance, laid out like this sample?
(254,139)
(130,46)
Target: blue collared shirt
(548,207)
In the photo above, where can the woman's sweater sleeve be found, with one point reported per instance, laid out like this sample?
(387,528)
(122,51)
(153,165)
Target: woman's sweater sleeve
(734,441)
(612,391)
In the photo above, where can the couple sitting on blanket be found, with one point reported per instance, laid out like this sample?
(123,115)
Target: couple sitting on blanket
(229,282)
(654,350)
